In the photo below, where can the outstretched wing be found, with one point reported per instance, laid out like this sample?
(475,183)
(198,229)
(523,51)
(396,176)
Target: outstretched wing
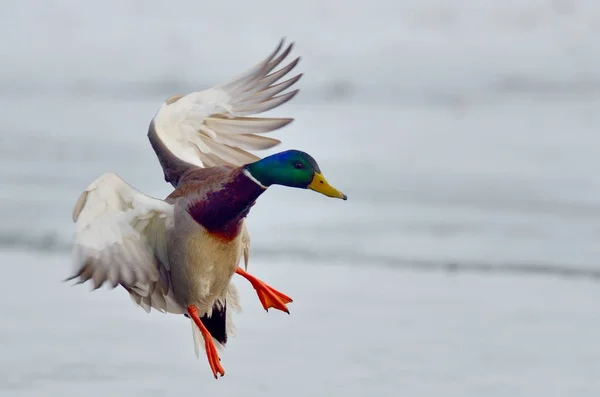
(213,127)
(120,235)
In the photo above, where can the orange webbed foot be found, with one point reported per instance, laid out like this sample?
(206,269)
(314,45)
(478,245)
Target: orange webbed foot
(268,296)
(211,350)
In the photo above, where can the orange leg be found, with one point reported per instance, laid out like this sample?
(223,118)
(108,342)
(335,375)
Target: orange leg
(268,296)
(211,350)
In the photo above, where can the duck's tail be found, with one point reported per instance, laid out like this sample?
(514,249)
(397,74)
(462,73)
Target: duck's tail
(218,321)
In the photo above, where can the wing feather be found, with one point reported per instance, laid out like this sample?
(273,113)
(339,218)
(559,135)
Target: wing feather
(213,127)
(258,106)
(245,125)
(253,71)
(120,234)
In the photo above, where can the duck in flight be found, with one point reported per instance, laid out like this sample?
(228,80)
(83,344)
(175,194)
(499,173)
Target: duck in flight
(178,255)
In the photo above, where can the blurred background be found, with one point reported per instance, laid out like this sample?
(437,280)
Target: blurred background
(464,133)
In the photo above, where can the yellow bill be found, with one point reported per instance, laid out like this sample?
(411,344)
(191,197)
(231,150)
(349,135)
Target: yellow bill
(320,184)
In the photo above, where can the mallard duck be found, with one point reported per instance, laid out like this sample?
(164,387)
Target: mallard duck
(178,255)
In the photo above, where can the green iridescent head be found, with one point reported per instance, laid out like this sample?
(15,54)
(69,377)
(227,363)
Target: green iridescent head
(292,168)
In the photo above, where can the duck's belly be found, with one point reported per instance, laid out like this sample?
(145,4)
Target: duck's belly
(202,266)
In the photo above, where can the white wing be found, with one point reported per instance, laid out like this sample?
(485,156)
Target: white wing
(212,127)
(120,235)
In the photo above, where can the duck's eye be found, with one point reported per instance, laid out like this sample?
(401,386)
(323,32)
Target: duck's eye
(298,166)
